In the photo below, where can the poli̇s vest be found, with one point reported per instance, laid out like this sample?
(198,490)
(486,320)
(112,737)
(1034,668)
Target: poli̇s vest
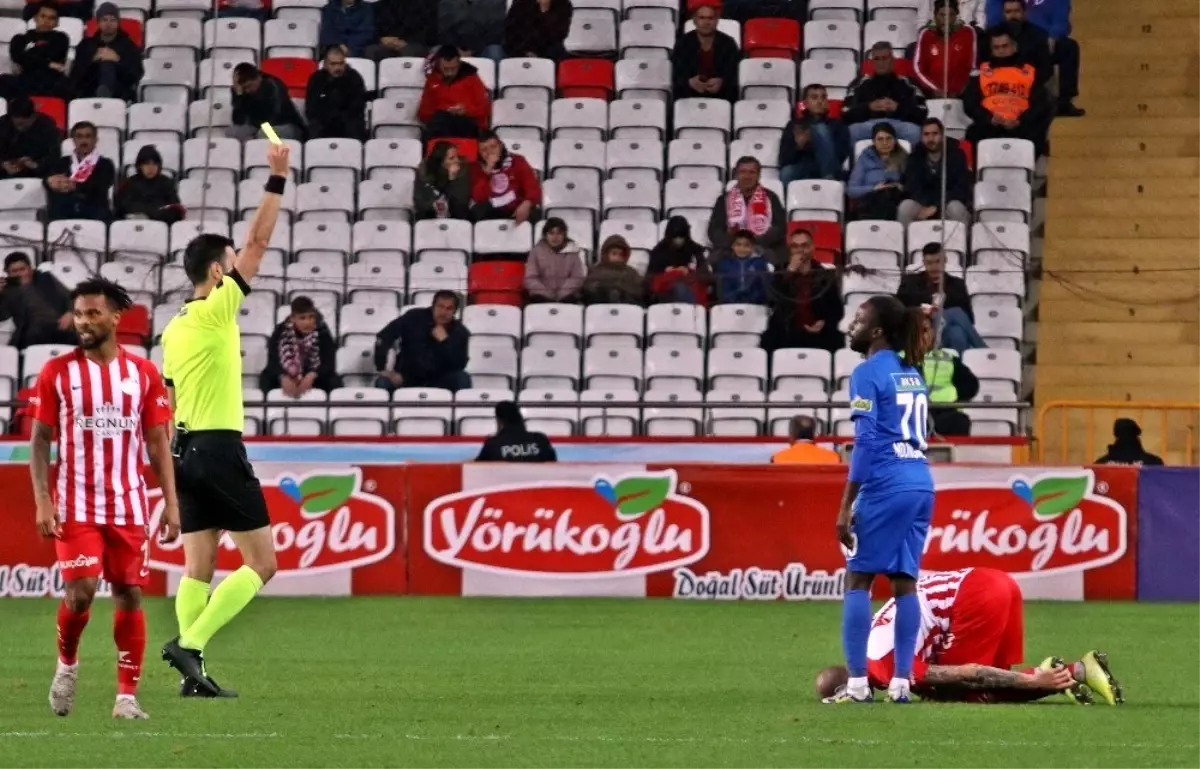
(1006,90)
(938,371)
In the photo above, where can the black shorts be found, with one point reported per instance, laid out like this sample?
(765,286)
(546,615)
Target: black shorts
(216,484)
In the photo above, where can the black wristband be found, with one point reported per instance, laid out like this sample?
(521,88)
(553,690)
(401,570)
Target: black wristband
(276,184)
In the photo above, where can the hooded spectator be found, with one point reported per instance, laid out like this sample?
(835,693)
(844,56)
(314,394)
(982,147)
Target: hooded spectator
(743,277)
(503,184)
(443,190)
(149,193)
(678,270)
(261,98)
(612,280)
(1005,100)
(455,102)
(336,100)
(939,78)
(748,205)
(40,58)
(348,24)
(1127,449)
(1042,30)
(431,348)
(78,183)
(877,180)
(807,305)
(39,306)
(705,61)
(884,95)
(554,269)
(404,28)
(923,179)
(301,354)
(538,29)
(474,27)
(29,141)
(108,64)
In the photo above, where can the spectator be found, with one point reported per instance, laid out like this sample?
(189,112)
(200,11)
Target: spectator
(538,29)
(29,141)
(78,183)
(1004,101)
(949,381)
(749,206)
(474,27)
(554,269)
(444,188)
(503,184)
(804,450)
(244,9)
(743,277)
(923,179)
(261,98)
(432,348)
(405,28)
(678,270)
(108,64)
(798,156)
(1042,31)
(612,280)
(336,100)
(349,25)
(705,60)
(877,180)
(82,9)
(149,194)
(829,135)
(807,303)
(39,306)
(921,289)
(939,78)
(884,96)
(40,58)
(302,353)
(455,101)
(1033,44)
(513,442)
(972,12)
(1126,448)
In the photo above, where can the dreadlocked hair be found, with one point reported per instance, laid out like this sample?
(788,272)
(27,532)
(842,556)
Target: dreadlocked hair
(117,296)
(902,328)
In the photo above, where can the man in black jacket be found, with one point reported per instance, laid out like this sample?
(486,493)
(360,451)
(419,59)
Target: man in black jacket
(921,289)
(513,442)
(1126,448)
(29,141)
(705,61)
(336,100)
(108,64)
(78,184)
(261,98)
(40,306)
(432,348)
(40,56)
(923,179)
(884,96)
(405,28)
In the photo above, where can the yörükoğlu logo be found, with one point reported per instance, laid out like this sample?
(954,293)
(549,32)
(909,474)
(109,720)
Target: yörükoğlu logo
(321,522)
(1055,522)
(635,524)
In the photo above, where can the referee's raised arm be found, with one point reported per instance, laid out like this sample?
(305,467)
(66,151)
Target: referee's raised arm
(258,234)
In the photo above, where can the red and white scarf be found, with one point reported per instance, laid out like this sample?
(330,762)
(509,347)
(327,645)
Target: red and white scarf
(299,355)
(81,168)
(754,215)
(501,185)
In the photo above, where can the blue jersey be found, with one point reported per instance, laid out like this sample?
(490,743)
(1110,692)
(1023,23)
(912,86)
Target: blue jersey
(890,407)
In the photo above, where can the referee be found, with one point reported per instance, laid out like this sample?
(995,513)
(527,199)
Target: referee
(202,365)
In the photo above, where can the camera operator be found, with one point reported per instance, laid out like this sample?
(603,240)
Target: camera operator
(512,442)
(37,303)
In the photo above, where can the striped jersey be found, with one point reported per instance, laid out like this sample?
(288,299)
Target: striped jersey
(937,592)
(100,414)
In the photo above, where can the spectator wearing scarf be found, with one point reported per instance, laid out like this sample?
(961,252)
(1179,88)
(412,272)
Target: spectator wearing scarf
(503,185)
(302,353)
(77,184)
(752,207)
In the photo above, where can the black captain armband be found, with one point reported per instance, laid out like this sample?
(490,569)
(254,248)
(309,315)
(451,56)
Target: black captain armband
(276,184)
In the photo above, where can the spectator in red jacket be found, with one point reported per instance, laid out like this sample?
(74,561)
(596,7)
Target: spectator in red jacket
(503,184)
(937,79)
(455,102)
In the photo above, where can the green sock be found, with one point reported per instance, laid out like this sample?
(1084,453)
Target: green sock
(189,602)
(230,597)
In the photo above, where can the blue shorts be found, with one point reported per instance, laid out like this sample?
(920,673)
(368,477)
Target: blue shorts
(890,530)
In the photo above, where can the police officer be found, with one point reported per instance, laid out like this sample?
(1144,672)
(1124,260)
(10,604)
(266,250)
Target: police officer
(512,442)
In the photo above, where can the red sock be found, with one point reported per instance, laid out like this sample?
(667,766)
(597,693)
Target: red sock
(129,631)
(70,629)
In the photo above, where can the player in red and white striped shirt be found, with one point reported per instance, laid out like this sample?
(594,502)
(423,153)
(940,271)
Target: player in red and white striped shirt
(102,403)
(972,632)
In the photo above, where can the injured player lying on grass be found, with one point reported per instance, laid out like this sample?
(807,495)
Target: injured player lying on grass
(972,634)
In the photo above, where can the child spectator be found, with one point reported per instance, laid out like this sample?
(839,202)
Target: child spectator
(149,194)
(302,353)
(742,278)
(612,280)
(554,269)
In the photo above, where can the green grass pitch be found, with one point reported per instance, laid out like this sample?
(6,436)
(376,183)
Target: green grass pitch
(462,682)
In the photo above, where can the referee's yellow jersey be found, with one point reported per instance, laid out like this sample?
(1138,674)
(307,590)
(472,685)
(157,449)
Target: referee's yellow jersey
(202,359)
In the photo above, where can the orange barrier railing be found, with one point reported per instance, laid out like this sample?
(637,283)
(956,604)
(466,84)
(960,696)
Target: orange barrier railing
(1080,431)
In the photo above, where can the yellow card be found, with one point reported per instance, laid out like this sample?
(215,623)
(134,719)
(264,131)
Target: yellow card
(270,132)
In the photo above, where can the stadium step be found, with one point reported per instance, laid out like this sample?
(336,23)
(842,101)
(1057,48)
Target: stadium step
(1120,168)
(1173,336)
(1106,253)
(1128,208)
(1140,28)
(1173,84)
(1178,382)
(1128,126)
(1155,188)
(1098,10)
(1158,285)
(1118,45)
(1056,308)
(1146,228)
(1155,107)
(1149,64)
(1126,147)
(1111,353)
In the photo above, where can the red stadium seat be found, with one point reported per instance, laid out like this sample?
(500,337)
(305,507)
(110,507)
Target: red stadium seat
(498,282)
(22,421)
(293,71)
(132,27)
(771,38)
(835,108)
(827,238)
(468,149)
(969,151)
(134,327)
(586,79)
(55,108)
(904,67)
(692,5)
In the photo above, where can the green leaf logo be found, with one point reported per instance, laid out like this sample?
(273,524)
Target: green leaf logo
(320,494)
(1054,496)
(639,495)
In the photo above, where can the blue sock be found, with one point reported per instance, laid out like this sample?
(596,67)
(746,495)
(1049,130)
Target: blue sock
(908,624)
(856,629)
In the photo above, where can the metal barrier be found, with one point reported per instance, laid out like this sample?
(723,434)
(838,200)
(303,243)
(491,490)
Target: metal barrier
(1073,431)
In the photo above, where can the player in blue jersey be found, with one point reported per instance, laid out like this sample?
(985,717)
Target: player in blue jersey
(888,500)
